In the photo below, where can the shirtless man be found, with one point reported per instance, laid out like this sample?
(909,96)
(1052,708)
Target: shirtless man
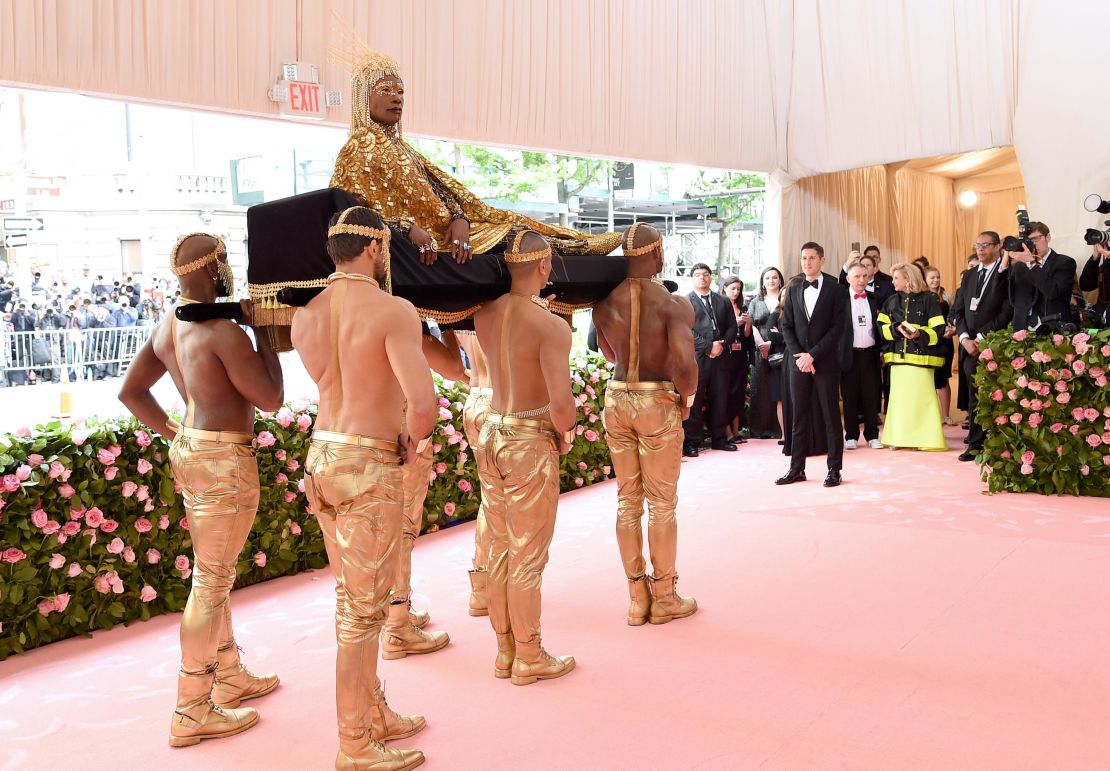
(645,331)
(222,379)
(474,417)
(362,348)
(403,634)
(531,412)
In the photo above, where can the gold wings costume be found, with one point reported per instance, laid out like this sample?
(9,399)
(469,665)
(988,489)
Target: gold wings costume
(380,169)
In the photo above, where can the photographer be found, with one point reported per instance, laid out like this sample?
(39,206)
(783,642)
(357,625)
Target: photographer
(1096,276)
(1040,281)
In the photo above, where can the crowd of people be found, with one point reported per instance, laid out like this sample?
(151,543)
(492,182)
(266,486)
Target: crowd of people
(888,352)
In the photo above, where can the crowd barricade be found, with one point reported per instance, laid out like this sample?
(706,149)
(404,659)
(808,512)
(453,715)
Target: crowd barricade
(69,354)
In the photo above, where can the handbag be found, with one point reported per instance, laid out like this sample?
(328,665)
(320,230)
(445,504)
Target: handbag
(774,361)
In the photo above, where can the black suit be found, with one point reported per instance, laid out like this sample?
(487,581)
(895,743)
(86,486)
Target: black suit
(712,373)
(881,287)
(861,386)
(1096,276)
(1041,293)
(814,395)
(993,313)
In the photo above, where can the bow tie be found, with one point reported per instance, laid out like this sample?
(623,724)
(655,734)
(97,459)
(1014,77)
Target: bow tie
(812,283)
(860,296)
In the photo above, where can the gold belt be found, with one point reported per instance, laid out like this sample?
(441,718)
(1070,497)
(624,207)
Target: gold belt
(227,437)
(356,440)
(641,385)
(509,420)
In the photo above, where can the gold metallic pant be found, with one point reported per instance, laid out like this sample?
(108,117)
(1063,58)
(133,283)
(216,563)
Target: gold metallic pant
(523,494)
(356,494)
(414,479)
(218,475)
(643,427)
(474,417)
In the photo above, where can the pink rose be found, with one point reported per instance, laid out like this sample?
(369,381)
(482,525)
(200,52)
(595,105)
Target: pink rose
(1094,440)
(184,523)
(463,457)
(591,435)
(454,438)
(128,489)
(1063,398)
(1022,381)
(34,459)
(432,475)
(110,473)
(46,607)
(116,450)
(280,455)
(1079,365)
(23,473)
(1074,430)
(66,491)
(147,594)
(1057,340)
(1085,470)
(143,494)
(300,405)
(441,468)
(181,562)
(1106,438)
(109,525)
(304,422)
(163,522)
(52,527)
(436,448)
(78,436)
(449,509)
(300,484)
(100,583)
(992,366)
(71,528)
(1015,418)
(74,570)
(1077,413)
(295,529)
(444,401)
(1028,456)
(607,470)
(465,485)
(94,517)
(1080,337)
(1036,405)
(579,429)
(260,559)
(1007,454)
(290,496)
(1020,335)
(449,430)
(1096,372)
(116,546)
(1101,381)
(128,555)
(1105,351)
(1090,413)
(61,602)
(284,417)
(1106,458)
(143,438)
(39,518)
(12,555)
(266,439)
(463,444)
(986,354)
(1000,420)
(579,481)
(444,413)
(293,465)
(11,483)
(56,561)
(1035,419)
(281,479)
(143,466)
(186,573)
(105,456)
(1026,469)
(1012,394)
(153,556)
(1044,390)
(1065,374)
(76,513)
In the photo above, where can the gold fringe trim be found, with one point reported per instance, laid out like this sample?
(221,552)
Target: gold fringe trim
(447,317)
(566,309)
(268,292)
(274,317)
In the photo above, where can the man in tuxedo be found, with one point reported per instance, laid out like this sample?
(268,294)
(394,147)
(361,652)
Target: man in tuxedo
(880,285)
(714,333)
(983,305)
(814,323)
(860,387)
(1040,281)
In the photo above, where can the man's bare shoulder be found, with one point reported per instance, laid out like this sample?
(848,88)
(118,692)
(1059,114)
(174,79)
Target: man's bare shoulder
(677,307)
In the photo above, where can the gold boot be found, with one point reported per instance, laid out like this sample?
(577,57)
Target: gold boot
(400,638)
(478,604)
(235,683)
(386,725)
(533,663)
(666,603)
(364,754)
(196,718)
(640,606)
(418,619)
(506,652)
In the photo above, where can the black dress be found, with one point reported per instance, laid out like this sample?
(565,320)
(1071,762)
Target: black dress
(942,375)
(738,362)
(767,381)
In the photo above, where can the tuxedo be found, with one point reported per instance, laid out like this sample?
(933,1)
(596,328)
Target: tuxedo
(819,331)
(882,285)
(1096,277)
(1043,293)
(861,384)
(982,305)
(713,320)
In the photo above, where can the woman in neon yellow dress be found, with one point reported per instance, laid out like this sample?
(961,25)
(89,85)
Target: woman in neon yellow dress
(912,325)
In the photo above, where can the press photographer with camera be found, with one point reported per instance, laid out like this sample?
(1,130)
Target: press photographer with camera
(1040,278)
(1096,276)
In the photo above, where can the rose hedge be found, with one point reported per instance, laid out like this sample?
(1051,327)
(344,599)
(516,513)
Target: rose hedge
(1045,405)
(93,532)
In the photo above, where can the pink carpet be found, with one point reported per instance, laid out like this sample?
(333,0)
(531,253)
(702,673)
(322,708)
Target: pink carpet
(903,620)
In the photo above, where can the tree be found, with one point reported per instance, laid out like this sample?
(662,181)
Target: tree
(740,206)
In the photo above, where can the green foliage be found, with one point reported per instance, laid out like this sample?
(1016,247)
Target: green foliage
(740,207)
(94,534)
(1045,405)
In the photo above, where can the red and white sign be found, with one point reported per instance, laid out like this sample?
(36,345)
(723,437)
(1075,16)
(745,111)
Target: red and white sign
(299,93)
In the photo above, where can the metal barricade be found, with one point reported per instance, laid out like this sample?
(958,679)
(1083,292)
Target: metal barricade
(73,354)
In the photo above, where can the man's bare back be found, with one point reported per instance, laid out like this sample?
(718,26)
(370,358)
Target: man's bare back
(479,365)
(666,340)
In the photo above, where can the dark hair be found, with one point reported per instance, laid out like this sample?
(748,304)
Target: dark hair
(995,240)
(701,266)
(815,246)
(730,280)
(1040,227)
(922,262)
(871,248)
(763,288)
(344,247)
(972,256)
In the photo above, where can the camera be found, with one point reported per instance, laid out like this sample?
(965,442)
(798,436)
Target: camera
(1094,203)
(1015,243)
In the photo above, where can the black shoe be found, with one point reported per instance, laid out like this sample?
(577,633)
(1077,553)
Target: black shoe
(726,446)
(833,479)
(790,477)
(690,450)
(782,442)
(968,455)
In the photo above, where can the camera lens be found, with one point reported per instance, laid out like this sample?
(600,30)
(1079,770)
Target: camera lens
(1093,236)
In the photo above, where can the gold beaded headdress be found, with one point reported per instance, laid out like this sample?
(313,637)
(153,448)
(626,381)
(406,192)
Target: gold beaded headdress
(367,67)
(345,228)
(199,262)
(630,238)
(513,253)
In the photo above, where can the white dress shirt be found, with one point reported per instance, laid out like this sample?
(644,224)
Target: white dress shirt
(810,294)
(863,329)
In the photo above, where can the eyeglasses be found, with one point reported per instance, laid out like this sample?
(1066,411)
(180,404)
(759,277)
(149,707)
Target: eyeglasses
(985,245)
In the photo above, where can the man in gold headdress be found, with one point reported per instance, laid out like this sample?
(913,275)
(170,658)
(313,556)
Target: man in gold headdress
(381,170)
(377,408)
(531,412)
(222,379)
(646,332)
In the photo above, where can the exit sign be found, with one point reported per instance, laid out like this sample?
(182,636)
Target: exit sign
(305,100)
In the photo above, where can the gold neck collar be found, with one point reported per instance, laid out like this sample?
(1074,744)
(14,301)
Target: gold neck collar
(353,277)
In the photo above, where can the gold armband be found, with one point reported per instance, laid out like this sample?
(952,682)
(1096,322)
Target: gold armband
(423,445)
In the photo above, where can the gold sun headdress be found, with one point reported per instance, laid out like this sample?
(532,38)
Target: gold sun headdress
(341,227)
(513,253)
(217,255)
(367,66)
(630,238)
